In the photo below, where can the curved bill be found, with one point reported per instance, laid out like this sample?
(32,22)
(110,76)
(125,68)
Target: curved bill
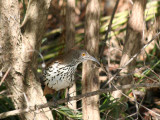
(93,59)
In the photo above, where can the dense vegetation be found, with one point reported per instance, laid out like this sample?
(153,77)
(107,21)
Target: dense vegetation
(147,67)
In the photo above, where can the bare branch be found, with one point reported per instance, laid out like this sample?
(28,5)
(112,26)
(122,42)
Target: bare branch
(134,56)
(106,37)
(5,75)
(109,28)
(78,97)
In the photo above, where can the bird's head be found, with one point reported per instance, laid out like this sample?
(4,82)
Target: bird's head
(82,55)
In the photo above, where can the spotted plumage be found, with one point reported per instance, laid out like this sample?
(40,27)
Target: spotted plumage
(60,73)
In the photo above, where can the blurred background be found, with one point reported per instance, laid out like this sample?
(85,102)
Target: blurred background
(147,67)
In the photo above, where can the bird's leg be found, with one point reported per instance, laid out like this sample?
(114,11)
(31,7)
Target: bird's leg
(54,99)
(68,96)
(58,95)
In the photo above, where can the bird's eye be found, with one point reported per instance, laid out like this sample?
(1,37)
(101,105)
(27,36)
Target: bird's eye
(83,54)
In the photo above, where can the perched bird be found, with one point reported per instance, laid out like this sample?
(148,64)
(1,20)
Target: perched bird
(60,73)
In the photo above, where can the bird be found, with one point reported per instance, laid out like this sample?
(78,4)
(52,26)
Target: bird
(60,73)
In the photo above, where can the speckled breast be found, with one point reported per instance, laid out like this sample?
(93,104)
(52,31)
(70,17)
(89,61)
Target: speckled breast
(59,76)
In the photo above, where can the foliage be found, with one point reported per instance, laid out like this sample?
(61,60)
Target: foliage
(108,105)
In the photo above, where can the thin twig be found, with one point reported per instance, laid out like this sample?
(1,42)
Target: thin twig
(78,97)
(106,38)
(130,60)
(109,28)
(136,105)
(26,16)
(5,75)
(138,102)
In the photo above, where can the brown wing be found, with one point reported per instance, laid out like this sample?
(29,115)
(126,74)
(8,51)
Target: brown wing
(57,59)
(62,58)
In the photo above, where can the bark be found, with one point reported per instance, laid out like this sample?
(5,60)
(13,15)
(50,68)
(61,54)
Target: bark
(134,36)
(18,52)
(90,75)
(70,41)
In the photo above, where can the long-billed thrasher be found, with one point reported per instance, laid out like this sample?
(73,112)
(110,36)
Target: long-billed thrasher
(60,73)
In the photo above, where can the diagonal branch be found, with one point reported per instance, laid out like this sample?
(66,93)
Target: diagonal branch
(109,28)
(78,97)
(5,75)
(130,60)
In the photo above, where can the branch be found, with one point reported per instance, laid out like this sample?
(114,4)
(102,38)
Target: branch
(5,75)
(109,28)
(130,60)
(78,97)
(106,37)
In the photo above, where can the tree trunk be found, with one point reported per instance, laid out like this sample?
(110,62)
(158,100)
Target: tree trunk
(90,75)
(70,41)
(134,36)
(18,52)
